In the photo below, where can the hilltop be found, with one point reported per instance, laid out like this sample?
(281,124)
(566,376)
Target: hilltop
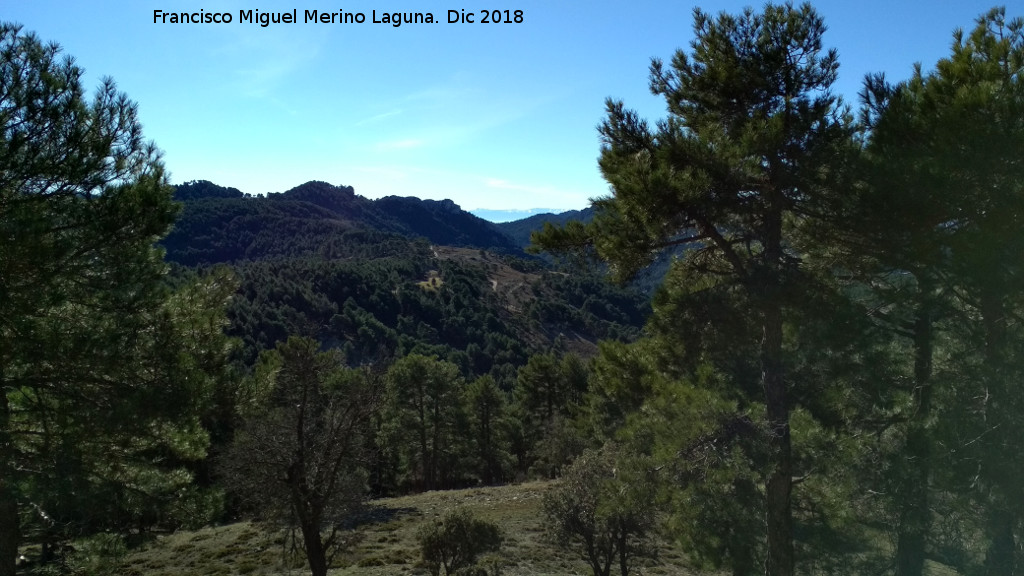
(221,224)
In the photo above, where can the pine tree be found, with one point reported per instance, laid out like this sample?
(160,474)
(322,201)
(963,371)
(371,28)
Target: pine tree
(421,414)
(896,229)
(744,160)
(943,215)
(98,381)
(300,458)
(977,130)
(488,423)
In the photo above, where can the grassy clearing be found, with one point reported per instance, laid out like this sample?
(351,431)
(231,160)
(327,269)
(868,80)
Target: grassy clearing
(433,282)
(386,545)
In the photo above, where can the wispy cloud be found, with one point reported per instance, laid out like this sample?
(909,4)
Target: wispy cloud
(456,110)
(455,89)
(262,59)
(379,117)
(259,81)
(399,144)
(392,173)
(541,193)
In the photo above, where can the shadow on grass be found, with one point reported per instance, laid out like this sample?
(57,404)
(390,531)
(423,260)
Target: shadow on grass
(377,514)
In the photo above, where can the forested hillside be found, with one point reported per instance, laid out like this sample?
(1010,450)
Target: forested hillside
(645,281)
(825,380)
(520,230)
(220,224)
(380,279)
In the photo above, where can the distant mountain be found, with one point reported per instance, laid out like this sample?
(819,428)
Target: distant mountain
(379,279)
(499,216)
(519,230)
(220,224)
(444,222)
(646,281)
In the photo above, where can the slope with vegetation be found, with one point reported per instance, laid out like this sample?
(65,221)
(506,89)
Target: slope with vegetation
(386,542)
(521,230)
(219,224)
(323,262)
(825,381)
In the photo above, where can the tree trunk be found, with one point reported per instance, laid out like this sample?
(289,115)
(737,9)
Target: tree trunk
(435,448)
(424,454)
(915,513)
(779,489)
(600,564)
(485,437)
(8,530)
(741,549)
(9,535)
(623,553)
(780,477)
(315,553)
(1000,558)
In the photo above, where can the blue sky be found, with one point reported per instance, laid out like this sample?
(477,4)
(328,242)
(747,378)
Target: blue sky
(497,116)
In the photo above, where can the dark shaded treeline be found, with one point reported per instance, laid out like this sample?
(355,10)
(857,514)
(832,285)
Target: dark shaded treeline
(221,224)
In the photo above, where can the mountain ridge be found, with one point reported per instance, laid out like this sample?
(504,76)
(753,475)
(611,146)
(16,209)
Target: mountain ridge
(221,224)
(215,214)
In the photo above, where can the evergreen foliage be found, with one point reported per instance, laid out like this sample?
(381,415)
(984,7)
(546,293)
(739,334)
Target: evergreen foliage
(742,162)
(105,373)
(487,411)
(300,458)
(939,222)
(220,225)
(829,364)
(862,287)
(520,231)
(422,420)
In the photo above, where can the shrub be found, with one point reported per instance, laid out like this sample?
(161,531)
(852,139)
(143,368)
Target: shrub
(456,541)
(605,505)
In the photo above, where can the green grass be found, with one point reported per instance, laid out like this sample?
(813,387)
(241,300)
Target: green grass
(433,282)
(384,546)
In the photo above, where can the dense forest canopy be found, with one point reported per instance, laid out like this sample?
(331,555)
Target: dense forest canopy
(820,373)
